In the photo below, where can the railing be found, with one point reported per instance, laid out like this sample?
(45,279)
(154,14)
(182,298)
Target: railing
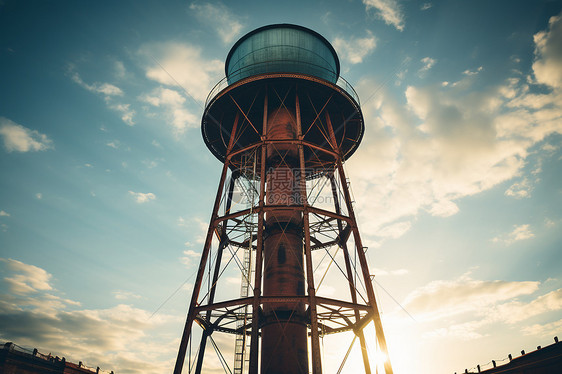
(492,364)
(222,84)
(341,83)
(348,88)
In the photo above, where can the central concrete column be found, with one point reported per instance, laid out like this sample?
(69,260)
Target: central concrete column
(284,332)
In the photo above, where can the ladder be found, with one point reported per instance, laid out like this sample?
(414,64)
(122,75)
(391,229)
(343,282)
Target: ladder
(240,358)
(241,343)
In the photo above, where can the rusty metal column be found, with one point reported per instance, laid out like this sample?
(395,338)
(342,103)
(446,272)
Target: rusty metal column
(366,276)
(223,243)
(284,330)
(254,340)
(352,286)
(314,336)
(359,248)
(186,335)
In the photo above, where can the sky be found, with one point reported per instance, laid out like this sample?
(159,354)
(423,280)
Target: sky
(106,186)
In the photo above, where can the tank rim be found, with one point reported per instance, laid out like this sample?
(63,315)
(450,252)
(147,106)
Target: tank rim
(266,76)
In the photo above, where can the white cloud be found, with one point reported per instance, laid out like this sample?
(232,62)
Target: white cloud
(438,148)
(150,164)
(106,89)
(549,223)
(446,142)
(551,328)
(439,299)
(462,331)
(38,195)
(388,10)
(189,256)
(3,213)
(21,139)
(426,6)
(191,253)
(473,72)
(517,311)
(521,232)
(125,295)
(28,278)
(197,223)
(354,50)
(109,92)
(174,106)
(520,189)
(126,112)
(487,304)
(182,222)
(142,197)
(182,64)
(443,208)
(394,230)
(116,338)
(224,22)
(428,63)
(548,54)
(113,144)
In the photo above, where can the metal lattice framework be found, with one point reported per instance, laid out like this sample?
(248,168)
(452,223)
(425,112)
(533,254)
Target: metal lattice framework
(329,127)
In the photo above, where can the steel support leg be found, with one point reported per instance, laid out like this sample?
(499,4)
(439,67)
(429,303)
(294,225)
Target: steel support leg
(186,335)
(222,245)
(254,339)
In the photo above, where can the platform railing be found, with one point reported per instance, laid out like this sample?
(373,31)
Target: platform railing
(224,83)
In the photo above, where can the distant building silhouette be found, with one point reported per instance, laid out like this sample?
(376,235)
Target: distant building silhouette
(17,360)
(545,360)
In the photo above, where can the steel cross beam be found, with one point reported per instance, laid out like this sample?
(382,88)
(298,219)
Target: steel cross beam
(222,245)
(352,285)
(206,249)
(364,266)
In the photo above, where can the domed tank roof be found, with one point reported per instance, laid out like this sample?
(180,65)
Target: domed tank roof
(282,48)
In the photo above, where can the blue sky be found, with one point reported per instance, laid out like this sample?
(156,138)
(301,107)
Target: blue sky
(106,186)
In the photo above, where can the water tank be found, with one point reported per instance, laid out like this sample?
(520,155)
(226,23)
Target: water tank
(282,48)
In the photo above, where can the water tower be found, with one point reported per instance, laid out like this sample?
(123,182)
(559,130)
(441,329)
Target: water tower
(282,122)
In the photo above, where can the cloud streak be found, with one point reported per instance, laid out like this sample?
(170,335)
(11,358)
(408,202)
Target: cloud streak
(173,105)
(28,278)
(181,64)
(109,92)
(441,298)
(428,63)
(141,197)
(548,54)
(520,232)
(354,50)
(388,10)
(224,22)
(18,138)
